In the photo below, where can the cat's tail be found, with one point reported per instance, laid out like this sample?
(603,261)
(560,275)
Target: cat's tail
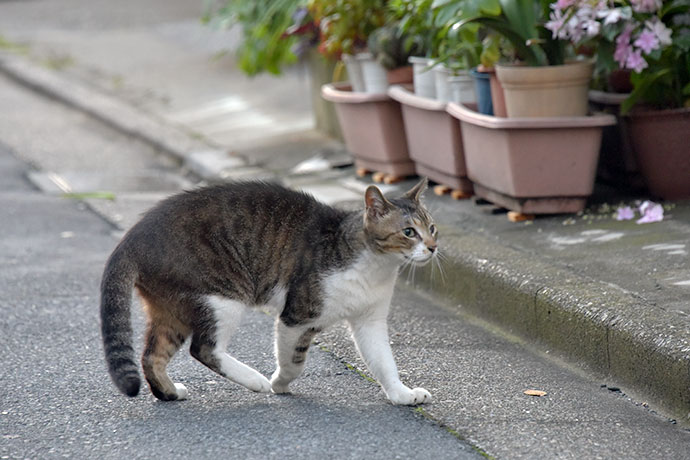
(116,325)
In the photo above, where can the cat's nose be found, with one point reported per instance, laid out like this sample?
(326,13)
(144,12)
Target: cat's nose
(432,248)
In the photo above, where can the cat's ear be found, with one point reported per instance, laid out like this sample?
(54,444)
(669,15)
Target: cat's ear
(415,193)
(377,204)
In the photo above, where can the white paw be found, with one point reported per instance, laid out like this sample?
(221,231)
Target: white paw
(408,397)
(277,386)
(182,392)
(260,384)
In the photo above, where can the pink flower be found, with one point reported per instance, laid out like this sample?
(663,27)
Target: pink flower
(623,50)
(647,41)
(646,6)
(636,62)
(651,212)
(659,29)
(563,4)
(625,213)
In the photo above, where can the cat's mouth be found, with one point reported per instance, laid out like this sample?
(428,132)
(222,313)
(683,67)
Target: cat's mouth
(417,261)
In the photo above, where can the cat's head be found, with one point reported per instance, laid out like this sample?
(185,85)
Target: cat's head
(400,226)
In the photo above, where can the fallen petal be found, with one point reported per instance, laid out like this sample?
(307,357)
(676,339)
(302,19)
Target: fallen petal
(625,213)
(651,212)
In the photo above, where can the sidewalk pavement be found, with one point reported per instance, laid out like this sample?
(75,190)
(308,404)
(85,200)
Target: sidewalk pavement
(611,296)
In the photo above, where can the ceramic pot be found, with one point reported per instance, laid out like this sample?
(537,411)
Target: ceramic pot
(400,75)
(354,72)
(617,163)
(546,91)
(423,77)
(659,139)
(441,75)
(374,74)
(530,165)
(462,90)
(482,86)
(433,139)
(373,129)
(498,100)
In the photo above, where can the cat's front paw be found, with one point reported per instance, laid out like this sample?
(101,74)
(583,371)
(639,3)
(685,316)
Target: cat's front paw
(260,384)
(408,397)
(278,385)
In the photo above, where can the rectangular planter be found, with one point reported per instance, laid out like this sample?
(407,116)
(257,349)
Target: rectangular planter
(433,139)
(373,129)
(532,165)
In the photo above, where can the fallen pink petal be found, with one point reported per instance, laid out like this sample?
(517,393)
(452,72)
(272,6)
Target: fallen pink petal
(625,213)
(651,212)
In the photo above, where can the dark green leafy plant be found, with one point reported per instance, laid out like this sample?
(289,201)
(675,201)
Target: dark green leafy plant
(265,46)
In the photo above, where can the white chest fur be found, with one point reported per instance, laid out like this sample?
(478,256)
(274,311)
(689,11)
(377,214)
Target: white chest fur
(365,286)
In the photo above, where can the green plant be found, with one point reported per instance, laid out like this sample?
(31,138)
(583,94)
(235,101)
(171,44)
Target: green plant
(345,25)
(415,23)
(265,46)
(390,47)
(521,22)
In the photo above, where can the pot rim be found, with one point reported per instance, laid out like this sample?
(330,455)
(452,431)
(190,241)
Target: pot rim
(341,92)
(486,121)
(406,97)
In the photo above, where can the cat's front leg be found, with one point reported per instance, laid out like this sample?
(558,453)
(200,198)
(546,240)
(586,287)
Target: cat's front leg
(371,338)
(291,347)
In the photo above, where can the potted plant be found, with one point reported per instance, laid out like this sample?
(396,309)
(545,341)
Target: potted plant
(415,19)
(651,39)
(549,80)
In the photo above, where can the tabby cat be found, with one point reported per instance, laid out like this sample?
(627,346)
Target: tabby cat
(198,259)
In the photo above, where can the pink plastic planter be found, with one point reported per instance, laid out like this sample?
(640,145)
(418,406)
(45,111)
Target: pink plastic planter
(372,128)
(532,165)
(433,138)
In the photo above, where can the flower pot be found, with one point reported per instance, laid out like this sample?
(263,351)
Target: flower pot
(659,139)
(441,74)
(498,100)
(547,91)
(462,89)
(372,128)
(354,72)
(482,87)
(374,74)
(400,75)
(617,163)
(535,165)
(433,139)
(423,77)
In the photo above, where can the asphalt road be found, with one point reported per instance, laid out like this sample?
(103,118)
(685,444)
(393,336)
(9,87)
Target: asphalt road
(57,399)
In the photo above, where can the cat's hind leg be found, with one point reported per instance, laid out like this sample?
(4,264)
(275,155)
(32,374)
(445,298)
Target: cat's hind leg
(210,341)
(291,347)
(163,340)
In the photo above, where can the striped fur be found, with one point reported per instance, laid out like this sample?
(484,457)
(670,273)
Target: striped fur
(200,258)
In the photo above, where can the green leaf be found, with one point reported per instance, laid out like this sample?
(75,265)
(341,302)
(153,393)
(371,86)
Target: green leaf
(521,16)
(642,86)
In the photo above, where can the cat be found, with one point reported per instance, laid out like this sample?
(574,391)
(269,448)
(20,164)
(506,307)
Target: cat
(199,258)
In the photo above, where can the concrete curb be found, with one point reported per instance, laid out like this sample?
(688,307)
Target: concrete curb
(201,156)
(601,326)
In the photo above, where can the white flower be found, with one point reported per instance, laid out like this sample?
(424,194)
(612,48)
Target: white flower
(615,15)
(659,29)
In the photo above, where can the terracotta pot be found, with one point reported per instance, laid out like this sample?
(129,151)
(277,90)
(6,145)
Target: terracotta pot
(498,100)
(400,76)
(547,91)
(423,76)
(532,165)
(659,139)
(433,139)
(617,163)
(373,129)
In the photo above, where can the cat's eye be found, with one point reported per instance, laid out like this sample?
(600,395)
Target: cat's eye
(432,229)
(409,232)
